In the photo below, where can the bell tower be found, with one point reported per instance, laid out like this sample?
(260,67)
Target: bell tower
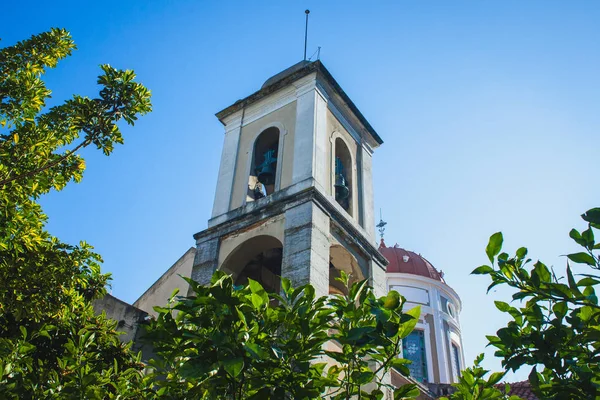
(294,195)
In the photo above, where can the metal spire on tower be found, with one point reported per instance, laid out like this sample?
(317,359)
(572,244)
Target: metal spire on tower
(381,225)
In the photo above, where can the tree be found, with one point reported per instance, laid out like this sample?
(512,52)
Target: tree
(555,327)
(240,342)
(224,341)
(474,385)
(52,345)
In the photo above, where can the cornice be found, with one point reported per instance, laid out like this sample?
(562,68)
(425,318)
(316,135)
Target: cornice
(278,203)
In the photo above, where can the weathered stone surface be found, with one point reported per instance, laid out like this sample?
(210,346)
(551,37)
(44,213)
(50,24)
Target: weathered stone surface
(129,320)
(206,261)
(306,247)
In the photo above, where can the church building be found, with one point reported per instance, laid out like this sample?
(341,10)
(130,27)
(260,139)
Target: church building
(294,199)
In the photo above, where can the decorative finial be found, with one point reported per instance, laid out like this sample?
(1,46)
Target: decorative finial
(306,33)
(381,225)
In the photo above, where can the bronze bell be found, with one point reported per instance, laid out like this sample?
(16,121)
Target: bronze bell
(342,191)
(265,172)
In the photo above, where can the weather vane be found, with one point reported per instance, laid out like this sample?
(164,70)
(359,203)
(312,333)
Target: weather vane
(381,225)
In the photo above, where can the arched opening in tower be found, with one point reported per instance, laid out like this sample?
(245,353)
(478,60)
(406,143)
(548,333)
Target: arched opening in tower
(343,175)
(259,259)
(263,169)
(340,259)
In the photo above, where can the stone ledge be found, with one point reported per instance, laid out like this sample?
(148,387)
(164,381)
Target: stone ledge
(281,201)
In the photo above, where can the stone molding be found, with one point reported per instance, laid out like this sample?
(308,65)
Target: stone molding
(278,203)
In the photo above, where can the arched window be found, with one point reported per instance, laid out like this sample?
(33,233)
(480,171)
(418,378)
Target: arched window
(342,176)
(455,362)
(263,167)
(413,349)
(340,259)
(258,258)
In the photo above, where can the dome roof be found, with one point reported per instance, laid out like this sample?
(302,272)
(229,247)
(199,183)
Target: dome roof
(407,262)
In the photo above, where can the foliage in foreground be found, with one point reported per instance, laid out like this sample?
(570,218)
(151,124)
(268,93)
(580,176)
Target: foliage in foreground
(474,385)
(226,342)
(555,327)
(52,345)
(240,342)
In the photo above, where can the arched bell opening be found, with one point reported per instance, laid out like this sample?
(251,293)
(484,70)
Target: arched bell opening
(340,259)
(258,258)
(342,176)
(263,170)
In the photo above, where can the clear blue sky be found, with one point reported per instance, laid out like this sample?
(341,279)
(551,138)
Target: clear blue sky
(489,112)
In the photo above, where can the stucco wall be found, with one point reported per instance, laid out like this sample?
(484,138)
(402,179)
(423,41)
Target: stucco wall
(271,227)
(285,116)
(158,294)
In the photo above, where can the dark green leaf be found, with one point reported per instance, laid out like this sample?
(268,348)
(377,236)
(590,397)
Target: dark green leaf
(494,246)
(582,258)
(484,269)
(593,217)
(233,366)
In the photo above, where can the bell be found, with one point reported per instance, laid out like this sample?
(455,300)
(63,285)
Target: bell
(265,171)
(341,188)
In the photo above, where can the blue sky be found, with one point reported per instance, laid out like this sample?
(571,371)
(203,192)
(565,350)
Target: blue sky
(488,111)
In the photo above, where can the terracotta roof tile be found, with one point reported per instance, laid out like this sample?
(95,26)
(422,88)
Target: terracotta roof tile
(521,389)
(408,262)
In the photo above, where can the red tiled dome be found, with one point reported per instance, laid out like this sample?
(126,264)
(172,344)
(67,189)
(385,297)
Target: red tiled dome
(407,262)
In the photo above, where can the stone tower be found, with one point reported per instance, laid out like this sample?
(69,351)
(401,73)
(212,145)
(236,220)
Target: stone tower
(294,195)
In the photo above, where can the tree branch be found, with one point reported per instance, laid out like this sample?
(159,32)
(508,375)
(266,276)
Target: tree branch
(69,153)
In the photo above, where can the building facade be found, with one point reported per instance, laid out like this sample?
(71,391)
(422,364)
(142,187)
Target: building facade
(435,347)
(294,199)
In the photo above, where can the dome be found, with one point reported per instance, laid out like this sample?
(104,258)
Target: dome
(407,262)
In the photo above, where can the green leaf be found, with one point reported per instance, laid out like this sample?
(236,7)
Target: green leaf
(542,272)
(576,236)
(494,246)
(409,325)
(358,333)
(582,258)
(502,306)
(173,294)
(286,285)
(255,287)
(522,252)
(234,366)
(495,377)
(257,300)
(256,351)
(484,269)
(588,281)
(397,362)
(407,391)
(560,309)
(585,313)
(593,217)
